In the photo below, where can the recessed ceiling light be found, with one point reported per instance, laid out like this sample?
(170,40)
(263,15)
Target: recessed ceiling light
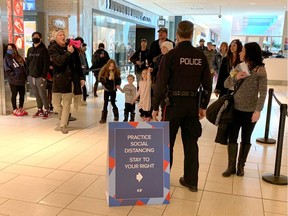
(252,3)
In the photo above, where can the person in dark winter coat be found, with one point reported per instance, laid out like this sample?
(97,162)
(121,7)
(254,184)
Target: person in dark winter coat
(99,59)
(218,57)
(229,62)
(14,68)
(155,47)
(68,76)
(141,59)
(38,62)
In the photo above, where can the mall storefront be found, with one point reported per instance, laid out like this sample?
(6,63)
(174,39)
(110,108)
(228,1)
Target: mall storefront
(116,24)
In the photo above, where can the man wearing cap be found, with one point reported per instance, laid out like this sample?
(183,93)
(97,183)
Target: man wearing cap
(155,46)
(141,59)
(99,59)
(181,72)
(201,45)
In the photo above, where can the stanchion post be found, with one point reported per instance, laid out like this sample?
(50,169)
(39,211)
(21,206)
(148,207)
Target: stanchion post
(268,116)
(277,178)
(283,113)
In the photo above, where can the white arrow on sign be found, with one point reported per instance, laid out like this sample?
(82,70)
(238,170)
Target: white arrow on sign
(139,177)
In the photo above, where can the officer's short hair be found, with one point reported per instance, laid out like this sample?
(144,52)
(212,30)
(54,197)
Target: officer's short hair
(185,29)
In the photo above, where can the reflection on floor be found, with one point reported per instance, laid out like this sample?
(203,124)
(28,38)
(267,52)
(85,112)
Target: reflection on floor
(44,172)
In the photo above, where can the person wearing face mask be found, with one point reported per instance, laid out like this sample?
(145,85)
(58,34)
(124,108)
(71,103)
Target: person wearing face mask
(14,68)
(38,62)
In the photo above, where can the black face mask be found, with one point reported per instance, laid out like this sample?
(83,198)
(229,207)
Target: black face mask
(35,40)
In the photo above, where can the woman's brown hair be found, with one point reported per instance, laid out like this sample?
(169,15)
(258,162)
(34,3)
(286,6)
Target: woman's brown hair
(104,72)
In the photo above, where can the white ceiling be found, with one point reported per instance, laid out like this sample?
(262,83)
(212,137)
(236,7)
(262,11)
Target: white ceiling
(209,10)
(212,7)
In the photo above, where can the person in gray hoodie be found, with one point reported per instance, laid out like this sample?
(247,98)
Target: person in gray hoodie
(38,62)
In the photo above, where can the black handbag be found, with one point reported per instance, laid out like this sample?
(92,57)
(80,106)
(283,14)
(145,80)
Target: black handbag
(221,110)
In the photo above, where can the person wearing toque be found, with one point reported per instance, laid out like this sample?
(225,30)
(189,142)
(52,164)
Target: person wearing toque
(68,76)
(201,45)
(155,46)
(99,59)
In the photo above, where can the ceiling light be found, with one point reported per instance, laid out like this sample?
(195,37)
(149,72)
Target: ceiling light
(252,3)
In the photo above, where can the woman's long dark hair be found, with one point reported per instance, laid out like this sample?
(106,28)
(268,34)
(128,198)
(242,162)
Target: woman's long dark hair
(253,55)
(230,54)
(16,54)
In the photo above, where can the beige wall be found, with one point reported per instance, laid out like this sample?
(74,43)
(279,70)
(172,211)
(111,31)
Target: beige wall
(276,70)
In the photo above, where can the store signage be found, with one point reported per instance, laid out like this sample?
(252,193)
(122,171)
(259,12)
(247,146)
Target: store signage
(138,163)
(10,21)
(18,8)
(18,25)
(117,7)
(15,22)
(29,5)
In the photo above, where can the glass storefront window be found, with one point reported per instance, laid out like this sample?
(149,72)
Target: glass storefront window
(117,35)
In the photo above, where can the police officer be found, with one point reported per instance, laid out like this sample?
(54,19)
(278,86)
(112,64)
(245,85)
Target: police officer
(181,73)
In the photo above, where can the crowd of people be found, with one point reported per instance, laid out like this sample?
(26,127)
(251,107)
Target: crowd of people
(168,76)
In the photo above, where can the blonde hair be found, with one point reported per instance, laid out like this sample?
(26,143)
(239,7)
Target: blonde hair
(130,75)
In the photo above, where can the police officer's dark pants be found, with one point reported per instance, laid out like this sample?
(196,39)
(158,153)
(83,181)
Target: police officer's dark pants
(183,113)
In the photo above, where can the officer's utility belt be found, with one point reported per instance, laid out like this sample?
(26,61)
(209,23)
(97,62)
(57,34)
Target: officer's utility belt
(183,93)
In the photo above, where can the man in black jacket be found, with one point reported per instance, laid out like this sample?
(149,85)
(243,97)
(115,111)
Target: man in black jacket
(141,59)
(99,59)
(38,62)
(155,45)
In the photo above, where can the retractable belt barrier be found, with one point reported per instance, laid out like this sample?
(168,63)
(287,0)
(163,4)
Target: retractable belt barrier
(275,178)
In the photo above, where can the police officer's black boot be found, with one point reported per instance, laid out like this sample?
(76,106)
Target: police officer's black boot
(103,117)
(232,154)
(243,153)
(126,113)
(116,114)
(132,117)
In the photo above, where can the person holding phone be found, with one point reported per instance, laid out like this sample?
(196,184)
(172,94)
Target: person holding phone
(99,59)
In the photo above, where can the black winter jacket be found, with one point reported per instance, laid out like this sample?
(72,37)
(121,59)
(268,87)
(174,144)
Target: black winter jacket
(67,69)
(14,71)
(38,61)
(110,85)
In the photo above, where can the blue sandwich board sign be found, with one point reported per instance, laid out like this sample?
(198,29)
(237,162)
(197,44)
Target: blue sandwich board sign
(138,170)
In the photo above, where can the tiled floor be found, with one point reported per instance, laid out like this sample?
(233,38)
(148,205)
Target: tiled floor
(46,173)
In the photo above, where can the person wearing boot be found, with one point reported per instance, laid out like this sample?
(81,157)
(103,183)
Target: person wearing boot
(130,93)
(99,59)
(67,76)
(248,103)
(110,78)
